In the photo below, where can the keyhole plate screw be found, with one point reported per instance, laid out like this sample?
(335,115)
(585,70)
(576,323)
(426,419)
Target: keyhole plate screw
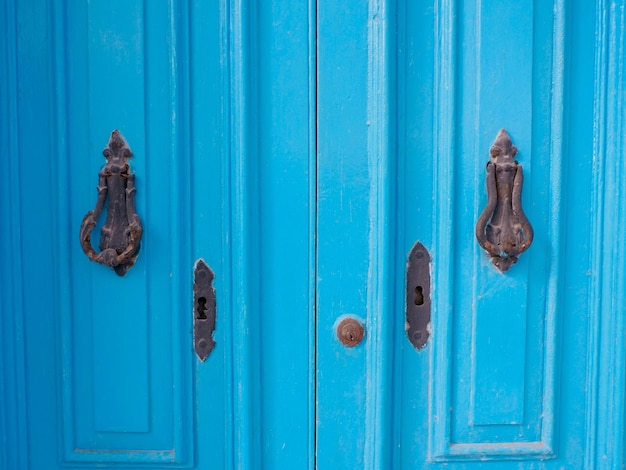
(350,332)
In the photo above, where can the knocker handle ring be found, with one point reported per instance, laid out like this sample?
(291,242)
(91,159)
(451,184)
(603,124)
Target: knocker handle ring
(121,234)
(503,230)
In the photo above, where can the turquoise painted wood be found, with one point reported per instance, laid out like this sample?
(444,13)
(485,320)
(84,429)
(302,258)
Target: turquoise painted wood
(105,375)
(301,150)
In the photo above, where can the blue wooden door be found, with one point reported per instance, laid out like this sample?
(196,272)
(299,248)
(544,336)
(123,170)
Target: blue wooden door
(301,150)
(98,370)
(522,369)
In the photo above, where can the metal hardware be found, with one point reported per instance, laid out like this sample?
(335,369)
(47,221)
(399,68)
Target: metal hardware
(350,332)
(418,296)
(503,230)
(121,234)
(204,306)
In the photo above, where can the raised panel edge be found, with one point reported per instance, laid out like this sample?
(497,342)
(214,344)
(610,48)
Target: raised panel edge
(181,455)
(380,309)
(444,137)
(244,374)
(605,420)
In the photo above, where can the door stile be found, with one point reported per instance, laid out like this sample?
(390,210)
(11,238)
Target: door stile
(355,223)
(385,290)
(273,183)
(608,350)
(206,88)
(444,143)
(33,105)
(13,453)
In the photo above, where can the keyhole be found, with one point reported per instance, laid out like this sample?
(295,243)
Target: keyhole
(201,308)
(419,296)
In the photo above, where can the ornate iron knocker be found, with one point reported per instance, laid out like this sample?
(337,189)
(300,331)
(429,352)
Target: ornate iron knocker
(121,234)
(503,229)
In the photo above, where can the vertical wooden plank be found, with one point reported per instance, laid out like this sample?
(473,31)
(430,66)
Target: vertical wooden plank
(245,325)
(285,236)
(444,144)
(355,209)
(273,81)
(35,200)
(13,423)
(175,116)
(606,417)
(575,381)
(381,147)
(416,128)
(210,211)
(343,225)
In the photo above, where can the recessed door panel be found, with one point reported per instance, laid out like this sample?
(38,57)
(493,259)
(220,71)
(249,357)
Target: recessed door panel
(124,346)
(498,360)
(507,366)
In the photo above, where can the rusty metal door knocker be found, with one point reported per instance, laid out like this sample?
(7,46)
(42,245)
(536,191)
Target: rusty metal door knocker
(503,229)
(121,234)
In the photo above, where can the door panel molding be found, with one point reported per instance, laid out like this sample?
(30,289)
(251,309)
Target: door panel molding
(508,379)
(245,370)
(131,415)
(607,352)
(381,281)
(491,386)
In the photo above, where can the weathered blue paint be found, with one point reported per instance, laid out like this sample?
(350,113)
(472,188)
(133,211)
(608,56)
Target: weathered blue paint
(354,214)
(210,96)
(107,373)
(301,150)
(273,134)
(608,352)
(513,364)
